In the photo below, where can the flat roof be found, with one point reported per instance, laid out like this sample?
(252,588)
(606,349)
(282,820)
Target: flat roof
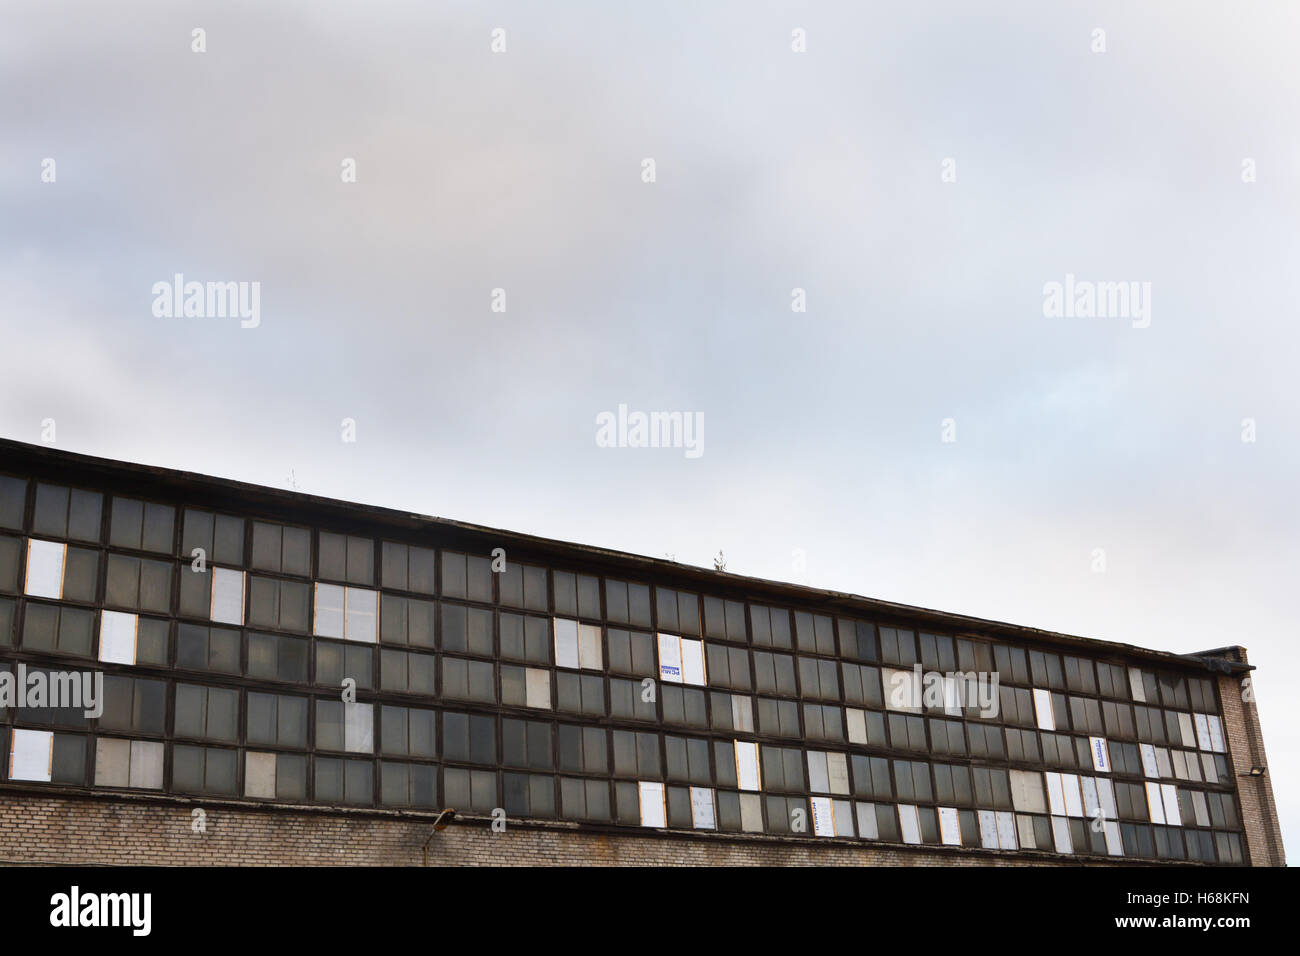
(42,461)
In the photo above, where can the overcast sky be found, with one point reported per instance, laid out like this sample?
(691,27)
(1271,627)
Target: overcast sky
(774,170)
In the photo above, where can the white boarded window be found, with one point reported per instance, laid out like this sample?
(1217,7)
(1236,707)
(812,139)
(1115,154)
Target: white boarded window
(747,769)
(1007,830)
(45,569)
(751,812)
(681,660)
(1149,767)
(823,817)
(1027,791)
(856,721)
(1169,793)
(1061,835)
(910,822)
(868,825)
(1073,801)
(843,813)
(259,775)
(742,714)
(31,755)
(1055,794)
(702,812)
(566,643)
(1136,686)
(227,596)
(329,610)
(1216,733)
(349,613)
(1202,731)
(358,727)
(128,763)
(1114,846)
(1100,755)
(537,688)
(1043,709)
(837,768)
(1155,803)
(653,813)
(989,830)
(819,780)
(117,639)
(589,656)
(949,826)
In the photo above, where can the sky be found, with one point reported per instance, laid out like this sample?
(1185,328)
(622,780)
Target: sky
(921,431)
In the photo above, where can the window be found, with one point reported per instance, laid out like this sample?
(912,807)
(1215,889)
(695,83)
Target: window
(636,754)
(466,576)
(771,626)
(819,678)
(684,705)
(678,611)
(346,612)
(204,770)
(65,630)
(724,620)
(468,680)
(137,764)
(627,603)
(524,586)
(774,673)
(681,661)
(406,621)
(344,781)
(142,526)
(67,513)
(858,640)
(576,595)
(782,768)
(823,722)
(276,720)
(280,657)
(577,645)
(584,799)
(828,772)
(525,687)
(897,646)
(221,537)
(275,776)
(862,685)
(632,699)
(815,633)
(206,648)
(526,743)
(281,549)
(728,666)
(139,584)
(216,594)
(912,778)
(13,502)
(865,727)
(731,712)
(210,713)
(580,693)
(466,630)
(408,784)
(748,774)
(778,717)
(526,638)
(473,790)
(407,732)
(871,777)
(583,749)
(283,605)
(134,705)
(344,557)
(8,616)
(408,568)
(469,738)
(345,726)
(632,652)
(687,759)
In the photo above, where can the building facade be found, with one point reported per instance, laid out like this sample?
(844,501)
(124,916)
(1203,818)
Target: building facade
(289,679)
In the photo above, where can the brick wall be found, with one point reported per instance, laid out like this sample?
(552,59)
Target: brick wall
(1245,741)
(37,828)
